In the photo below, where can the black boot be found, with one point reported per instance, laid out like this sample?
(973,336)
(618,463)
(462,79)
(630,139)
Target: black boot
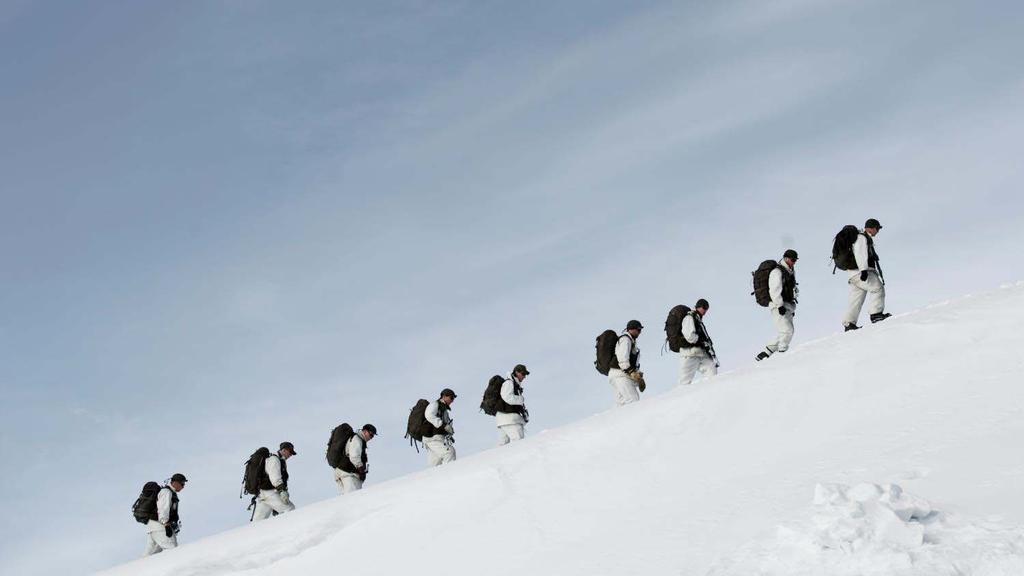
(879,317)
(850,326)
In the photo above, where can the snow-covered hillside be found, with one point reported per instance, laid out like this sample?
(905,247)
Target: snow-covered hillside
(787,467)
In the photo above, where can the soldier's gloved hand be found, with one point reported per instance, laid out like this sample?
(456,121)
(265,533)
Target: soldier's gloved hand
(636,375)
(642,385)
(863,275)
(169,530)
(782,310)
(448,429)
(285,497)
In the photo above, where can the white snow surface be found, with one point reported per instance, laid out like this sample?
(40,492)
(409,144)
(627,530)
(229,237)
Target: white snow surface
(872,530)
(893,450)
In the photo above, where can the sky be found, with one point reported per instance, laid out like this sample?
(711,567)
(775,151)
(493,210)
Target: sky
(229,224)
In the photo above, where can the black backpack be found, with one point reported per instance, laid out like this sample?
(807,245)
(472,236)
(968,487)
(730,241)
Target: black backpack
(760,293)
(336,445)
(144,508)
(418,426)
(842,248)
(492,396)
(674,327)
(605,348)
(255,471)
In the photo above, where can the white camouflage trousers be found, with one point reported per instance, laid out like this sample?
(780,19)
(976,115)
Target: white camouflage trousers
(270,501)
(158,542)
(347,482)
(689,365)
(439,450)
(624,389)
(784,326)
(509,433)
(858,292)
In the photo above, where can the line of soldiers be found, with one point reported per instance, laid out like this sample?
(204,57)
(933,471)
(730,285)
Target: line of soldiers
(266,473)
(854,252)
(686,334)
(775,287)
(618,356)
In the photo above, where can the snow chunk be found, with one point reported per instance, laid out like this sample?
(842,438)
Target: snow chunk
(872,529)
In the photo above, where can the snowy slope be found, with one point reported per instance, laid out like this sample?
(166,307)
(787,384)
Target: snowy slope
(767,470)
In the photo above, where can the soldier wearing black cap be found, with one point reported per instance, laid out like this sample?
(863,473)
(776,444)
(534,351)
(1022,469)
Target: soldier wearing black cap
(511,418)
(355,452)
(695,349)
(273,498)
(440,446)
(866,278)
(624,375)
(782,290)
(162,527)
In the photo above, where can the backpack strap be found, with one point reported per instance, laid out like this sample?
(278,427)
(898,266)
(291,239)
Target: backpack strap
(347,460)
(631,341)
(698,324)
(632,344)
(517,390)
(442,409)
(872,255)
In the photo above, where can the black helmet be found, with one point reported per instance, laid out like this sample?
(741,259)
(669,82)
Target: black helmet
(634,325)
(179,477)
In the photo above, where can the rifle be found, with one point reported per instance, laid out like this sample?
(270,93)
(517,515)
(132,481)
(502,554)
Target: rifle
(450,438)
(710,349)
(706,343)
